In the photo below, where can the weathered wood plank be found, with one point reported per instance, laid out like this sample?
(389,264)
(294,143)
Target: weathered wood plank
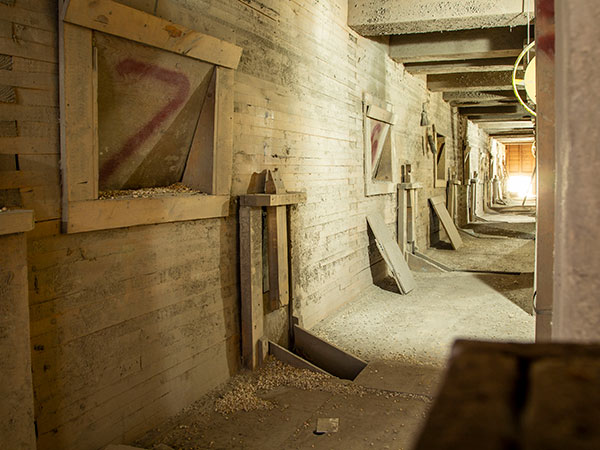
(391,254)
(447,222)
(118,213)
(258,200)
(277,249)
(16,221)
(223,159)
(251,284)
(120,20)
(76,105)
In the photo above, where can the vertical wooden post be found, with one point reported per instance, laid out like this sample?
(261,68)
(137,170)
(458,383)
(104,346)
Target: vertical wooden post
(251,284)
(412,219)
(451,199)
(402,216)
(278,256)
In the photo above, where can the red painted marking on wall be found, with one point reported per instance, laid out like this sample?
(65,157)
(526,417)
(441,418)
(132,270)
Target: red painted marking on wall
(144,70)
(546,8)
(546,44)
(375,141)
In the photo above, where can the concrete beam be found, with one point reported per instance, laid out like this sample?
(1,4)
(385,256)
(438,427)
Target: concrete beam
(466,104)
(384,17)
(461,66)
(460,82)
(516,140)
(517,134)
(453,45)
(500,118)
(478,96)
(492,110)
(507,125)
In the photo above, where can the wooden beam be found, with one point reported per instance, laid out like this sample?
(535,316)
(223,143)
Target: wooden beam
(129,23)
(16,221)
(126,212)
(251,284)
(291,198)
(76,75)
(223,158)
(277,249)
(477,81)
(453,45)
(461,66)
(381,115)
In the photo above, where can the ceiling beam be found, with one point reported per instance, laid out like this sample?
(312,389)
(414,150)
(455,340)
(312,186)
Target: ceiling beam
(483,103)
(477,81)
(474,96)
(384,17)
(491,110)
(461,66)
(454,45)
(515,140)
(511,134)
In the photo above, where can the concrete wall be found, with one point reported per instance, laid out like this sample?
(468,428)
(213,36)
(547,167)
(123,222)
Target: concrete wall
(130,325)
(577,207)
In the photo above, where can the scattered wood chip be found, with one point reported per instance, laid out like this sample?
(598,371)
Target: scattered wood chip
(177,188)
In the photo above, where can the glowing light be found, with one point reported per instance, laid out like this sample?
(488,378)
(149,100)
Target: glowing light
(519,185)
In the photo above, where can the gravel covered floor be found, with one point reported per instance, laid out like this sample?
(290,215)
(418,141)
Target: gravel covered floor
(419,328)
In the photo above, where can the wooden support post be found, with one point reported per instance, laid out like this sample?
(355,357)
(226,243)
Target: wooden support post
(278,256)
(473,199)
(402,235)
(407,216)
(251,281)
(412,219)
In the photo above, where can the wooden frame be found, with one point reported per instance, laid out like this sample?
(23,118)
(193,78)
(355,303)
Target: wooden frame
(375,111)
(82,210)
(251,265)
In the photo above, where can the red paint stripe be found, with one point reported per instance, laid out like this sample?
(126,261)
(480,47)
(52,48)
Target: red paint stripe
(129,66)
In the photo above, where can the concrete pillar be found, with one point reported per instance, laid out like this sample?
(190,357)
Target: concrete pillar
(577,207)
(16,388)
(544,269)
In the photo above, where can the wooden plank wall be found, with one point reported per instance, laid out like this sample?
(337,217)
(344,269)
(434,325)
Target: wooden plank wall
(29,70)
(130,325)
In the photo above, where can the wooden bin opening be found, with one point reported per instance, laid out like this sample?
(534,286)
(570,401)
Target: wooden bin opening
(149,105)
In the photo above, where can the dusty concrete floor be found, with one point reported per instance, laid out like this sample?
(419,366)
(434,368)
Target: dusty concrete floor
(278,407)
(501,240)
(420,327)
(486,254)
